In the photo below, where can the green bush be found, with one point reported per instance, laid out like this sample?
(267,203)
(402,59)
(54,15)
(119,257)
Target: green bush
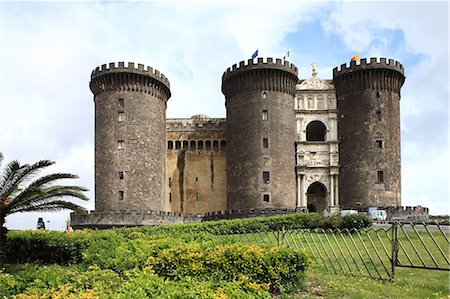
(31,281)
(280,268)
(46,246)
(356,221)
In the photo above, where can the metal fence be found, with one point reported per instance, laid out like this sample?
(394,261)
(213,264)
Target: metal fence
(374,252)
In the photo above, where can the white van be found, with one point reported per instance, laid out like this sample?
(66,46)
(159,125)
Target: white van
(348,212)
(378,215)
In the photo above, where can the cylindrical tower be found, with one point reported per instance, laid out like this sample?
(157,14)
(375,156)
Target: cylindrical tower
(130,120)
(368,101)
(260,134)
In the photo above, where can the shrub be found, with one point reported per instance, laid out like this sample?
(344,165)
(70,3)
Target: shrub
(279,268)
(356,221)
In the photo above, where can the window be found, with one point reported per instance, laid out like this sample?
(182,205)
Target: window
(120,195)
(266,197)
(265,115)
(170,197)
(170,182)
(264,95)
(265,142)
(121,116)
(177,144)
(379,143)
(223,145)
(378,115)
(315,131)
(266,177)
(170,144)
(121,103)
(193,145)
(380,176)
(121,144)
(120,175)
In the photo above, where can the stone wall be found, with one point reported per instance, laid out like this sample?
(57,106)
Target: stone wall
(260,134)
(130,117)
(196,180)
(368,97)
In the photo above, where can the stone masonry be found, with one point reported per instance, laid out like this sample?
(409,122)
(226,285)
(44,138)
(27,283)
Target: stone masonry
(260,134)
(287,145)
(130,117)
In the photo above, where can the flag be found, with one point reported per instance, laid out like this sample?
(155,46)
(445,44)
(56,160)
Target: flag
(255,54)
(286,56)
(354,58)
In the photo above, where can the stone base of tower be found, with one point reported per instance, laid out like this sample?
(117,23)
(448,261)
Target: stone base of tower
(110,219)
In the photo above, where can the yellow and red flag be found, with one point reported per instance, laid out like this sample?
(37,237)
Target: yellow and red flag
(354,58)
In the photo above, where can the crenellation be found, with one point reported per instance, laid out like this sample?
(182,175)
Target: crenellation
(216,168)
(375,63)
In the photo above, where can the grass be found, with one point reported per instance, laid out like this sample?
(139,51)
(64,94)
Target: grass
(366,253)
(408,283)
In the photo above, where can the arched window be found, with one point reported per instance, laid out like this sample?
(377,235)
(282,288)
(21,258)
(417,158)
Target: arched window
(177,144)
(193,145)
(185,144)
(315,131)
(200,144)
(208,144)
(223,145)
(216,145)
(170,144)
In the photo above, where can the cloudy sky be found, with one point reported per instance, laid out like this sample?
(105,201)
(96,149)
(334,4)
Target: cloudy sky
(48,50)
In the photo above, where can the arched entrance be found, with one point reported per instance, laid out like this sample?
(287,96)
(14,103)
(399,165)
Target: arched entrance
(317,198)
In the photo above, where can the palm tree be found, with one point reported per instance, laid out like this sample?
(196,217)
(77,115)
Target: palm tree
(22,190)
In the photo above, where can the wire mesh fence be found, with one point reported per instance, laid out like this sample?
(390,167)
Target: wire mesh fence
(372,252)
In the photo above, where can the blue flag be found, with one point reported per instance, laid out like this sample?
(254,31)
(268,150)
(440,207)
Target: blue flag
(255,54)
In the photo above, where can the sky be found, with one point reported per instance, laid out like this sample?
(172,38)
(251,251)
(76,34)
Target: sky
(48,50)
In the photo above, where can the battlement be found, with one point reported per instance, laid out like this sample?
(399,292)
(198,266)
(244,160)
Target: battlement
(195,124)
(130,68)
(374,63)
(268,63)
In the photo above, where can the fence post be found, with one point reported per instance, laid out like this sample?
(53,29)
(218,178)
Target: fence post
(283,235)
(394,245)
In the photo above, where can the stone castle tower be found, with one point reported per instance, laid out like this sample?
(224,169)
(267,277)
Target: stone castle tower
(368,102)
(287,145)
(260,134)
(130,118)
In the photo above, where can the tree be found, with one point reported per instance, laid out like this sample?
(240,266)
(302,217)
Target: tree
(22,190)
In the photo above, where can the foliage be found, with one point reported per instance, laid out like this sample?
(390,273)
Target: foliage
(356,221)
(21,191)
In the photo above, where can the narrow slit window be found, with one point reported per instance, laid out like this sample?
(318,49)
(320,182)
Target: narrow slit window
(121,116)
(379,143)
(121,144)
(266,197)
(121,195)
(378,115)
(121,103)
(120,175)
(266,177)
(265,142)
(265,115)
(170,197)
(380,176)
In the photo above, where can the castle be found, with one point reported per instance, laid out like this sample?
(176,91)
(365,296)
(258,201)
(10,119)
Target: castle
(286,145)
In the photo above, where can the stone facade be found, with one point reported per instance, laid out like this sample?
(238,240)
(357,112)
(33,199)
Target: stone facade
(368,101)
(287,145)
(196,177)
(317,149)
(130,117)
(260,134)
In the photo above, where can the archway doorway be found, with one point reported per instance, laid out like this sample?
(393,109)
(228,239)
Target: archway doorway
(317,198)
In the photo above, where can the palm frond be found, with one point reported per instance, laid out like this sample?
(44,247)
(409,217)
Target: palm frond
(51,178)
(46,196)
(8,173)
(53,206)
(19,174)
